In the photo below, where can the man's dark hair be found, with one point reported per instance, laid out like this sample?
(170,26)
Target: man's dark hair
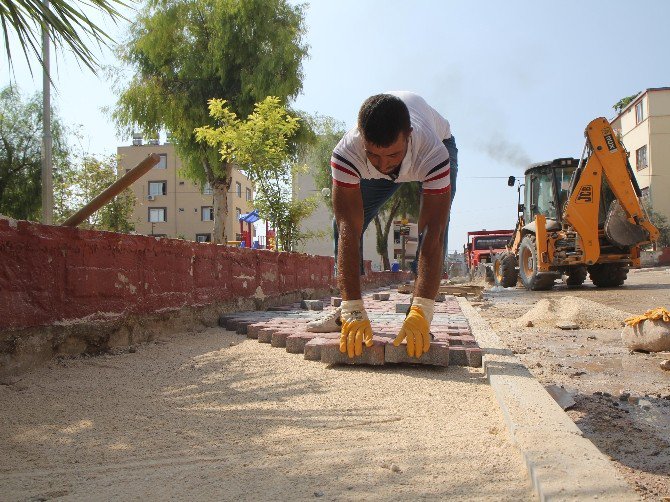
(382,117)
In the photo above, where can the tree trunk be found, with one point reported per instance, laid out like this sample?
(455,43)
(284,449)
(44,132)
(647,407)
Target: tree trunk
(220,188)
(383,235)
(382,244)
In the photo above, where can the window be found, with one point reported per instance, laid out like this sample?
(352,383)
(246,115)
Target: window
(157,214)
(238,212)
(248,193)
(203,237)
(639,112)
(207,190)
(645,194)
(641,158)
(162,163)
(158,188)
(238,189)
(207,213)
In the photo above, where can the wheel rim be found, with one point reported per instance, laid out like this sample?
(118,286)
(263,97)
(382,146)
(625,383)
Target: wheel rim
(496,271)
(527,260)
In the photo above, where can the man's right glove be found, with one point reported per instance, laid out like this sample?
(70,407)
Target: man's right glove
(416,328)
(356,328)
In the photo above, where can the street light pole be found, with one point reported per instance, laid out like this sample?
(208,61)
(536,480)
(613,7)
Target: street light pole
(47,168)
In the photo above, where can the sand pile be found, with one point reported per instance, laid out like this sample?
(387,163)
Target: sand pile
(569,309)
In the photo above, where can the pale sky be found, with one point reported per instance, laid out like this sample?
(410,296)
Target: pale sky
(517,80)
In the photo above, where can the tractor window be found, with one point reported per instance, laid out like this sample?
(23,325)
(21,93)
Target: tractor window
(563,177)
(543,194)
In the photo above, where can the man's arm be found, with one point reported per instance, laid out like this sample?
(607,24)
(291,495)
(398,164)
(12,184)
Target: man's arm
(348,208)
(356,329)
(432,223)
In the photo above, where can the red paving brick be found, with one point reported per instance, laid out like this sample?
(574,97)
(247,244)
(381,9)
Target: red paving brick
(285,327)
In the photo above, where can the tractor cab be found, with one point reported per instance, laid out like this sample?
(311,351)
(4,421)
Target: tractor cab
(546,190)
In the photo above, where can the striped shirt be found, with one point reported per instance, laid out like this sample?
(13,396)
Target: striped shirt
(427,159)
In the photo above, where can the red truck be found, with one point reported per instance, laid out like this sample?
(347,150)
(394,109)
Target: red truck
(483,244)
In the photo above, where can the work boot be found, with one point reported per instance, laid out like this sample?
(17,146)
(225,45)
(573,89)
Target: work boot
(327,324)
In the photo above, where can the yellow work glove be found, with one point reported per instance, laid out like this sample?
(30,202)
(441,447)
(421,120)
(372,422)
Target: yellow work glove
(356,328)
(416,328)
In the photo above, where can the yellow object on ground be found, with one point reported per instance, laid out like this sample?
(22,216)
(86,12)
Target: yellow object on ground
(659,313)
(416,330)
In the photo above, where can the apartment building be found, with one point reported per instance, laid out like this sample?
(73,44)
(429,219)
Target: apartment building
(644,127)
(170,205)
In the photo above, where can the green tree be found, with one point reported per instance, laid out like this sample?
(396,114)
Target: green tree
(260,146)
(69,26)
(317,150)
(660,222)
(624,102)
(81,184)
(20,153)
(185,52)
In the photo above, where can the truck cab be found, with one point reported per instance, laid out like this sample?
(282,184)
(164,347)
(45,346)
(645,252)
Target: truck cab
(482,245)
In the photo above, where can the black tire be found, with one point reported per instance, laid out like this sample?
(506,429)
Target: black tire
(505,272)
(528,267)
(608,275)
(576,276)
(489,275)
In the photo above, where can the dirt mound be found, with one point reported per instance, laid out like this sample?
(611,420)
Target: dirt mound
(569,309)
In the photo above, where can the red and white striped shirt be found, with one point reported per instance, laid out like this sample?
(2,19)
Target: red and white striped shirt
(427,159)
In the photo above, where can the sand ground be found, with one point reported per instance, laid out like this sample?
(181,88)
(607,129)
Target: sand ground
(214,416)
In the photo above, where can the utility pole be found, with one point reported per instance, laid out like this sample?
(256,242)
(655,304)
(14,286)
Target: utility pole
(47,167)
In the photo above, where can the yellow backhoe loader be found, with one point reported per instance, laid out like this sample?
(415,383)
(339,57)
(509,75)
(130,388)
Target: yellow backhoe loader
(578,216)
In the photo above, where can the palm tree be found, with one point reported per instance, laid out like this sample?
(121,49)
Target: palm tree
(68,26)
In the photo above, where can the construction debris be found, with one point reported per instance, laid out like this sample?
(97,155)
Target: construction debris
(649,336)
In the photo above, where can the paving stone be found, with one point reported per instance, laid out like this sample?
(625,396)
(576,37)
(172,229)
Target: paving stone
(438,355)
(474,356)
(460,355)
(461,340)
(311,305)
(372,356)
(381,296)
(402,308)
(314,346)
(278,338)
(254,328)
(295,343)
(265,335)
(231,323)
(336,301)
(457,356)
(243,326)
(223,319)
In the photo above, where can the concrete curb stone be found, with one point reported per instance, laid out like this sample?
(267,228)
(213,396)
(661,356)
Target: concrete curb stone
(561,462)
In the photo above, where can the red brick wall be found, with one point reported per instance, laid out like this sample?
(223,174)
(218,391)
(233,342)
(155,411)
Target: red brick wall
(50,274)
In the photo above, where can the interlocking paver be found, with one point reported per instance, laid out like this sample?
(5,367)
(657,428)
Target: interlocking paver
(371,356)
(438,355)
(285,326)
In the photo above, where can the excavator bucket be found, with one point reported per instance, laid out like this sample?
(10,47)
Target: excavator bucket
(620,231)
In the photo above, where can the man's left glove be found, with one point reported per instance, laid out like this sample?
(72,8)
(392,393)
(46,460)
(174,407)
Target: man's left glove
(356,328)
(416,328)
